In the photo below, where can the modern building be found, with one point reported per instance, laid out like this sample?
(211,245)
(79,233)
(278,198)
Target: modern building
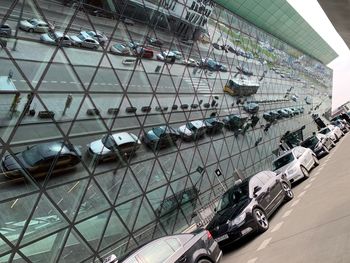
(72,192)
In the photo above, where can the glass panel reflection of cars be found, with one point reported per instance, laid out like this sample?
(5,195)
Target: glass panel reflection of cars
(213,125)
(120,49)
(38,159)
(160,137)
(115,145)
(169,249)
(246,207)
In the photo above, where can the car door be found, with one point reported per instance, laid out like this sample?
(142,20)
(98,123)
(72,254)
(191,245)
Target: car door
(275,188)
(307,157)
(271,191)
(262,196)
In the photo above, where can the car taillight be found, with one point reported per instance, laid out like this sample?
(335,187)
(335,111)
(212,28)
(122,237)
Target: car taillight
(209,235)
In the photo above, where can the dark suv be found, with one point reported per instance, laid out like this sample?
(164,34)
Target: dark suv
(246,207)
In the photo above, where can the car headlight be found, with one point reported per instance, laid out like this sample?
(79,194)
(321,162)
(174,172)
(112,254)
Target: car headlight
(237,221)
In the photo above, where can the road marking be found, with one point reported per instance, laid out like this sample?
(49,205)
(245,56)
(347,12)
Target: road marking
(264,244)
(295,203)
(253,260)
(73,82)
(63,82)
(14,203)
(301,194)
(287,213)
(307,186)
(317,172)
(312,179)
(54,81)
(277,227)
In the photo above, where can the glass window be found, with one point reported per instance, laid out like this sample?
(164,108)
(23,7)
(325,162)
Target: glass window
(284,160)
(153,253)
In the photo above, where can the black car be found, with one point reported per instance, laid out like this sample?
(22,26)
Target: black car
(246,207)
(319,144)
(234,122)
(251,107)
(38,160)
(270,117)
(197,247)
(213,125)
(160,137)
(154,41)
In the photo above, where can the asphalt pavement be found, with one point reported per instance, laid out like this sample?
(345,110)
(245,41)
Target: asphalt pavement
(314,226)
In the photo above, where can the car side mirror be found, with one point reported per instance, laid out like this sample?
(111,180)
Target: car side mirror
(256,189)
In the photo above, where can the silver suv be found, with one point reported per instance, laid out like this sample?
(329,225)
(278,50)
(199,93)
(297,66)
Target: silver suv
(295,163)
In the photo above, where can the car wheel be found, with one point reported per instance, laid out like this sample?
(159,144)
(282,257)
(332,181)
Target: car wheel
(262,223)
(94,48)
(332,143)
(316,161)
(204,260)
(304,172)
(30,30)
(288,192)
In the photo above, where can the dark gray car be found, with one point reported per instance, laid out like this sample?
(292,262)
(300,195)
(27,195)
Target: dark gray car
(5,30)
(198,247)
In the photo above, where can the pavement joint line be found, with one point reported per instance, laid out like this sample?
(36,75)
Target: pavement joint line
(307,186)
(301,194)
(295,203)
(253,260)
(287,213)
(264,244)
(277,227)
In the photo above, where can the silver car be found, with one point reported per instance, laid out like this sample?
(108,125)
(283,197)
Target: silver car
(35,25)
(97,35)
(332,132)
(192,130)
(116,145)
(56,38)
(84,40)
(295,163)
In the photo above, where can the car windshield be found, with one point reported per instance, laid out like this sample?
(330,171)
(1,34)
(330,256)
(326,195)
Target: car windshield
(325,131)
(32,156)
(119,46)
(81,37)
(286,159)
(234,196)
(158,131)
(190,126)
(109,142)
(52,35)
(310,142)
(33,22)
(90,33)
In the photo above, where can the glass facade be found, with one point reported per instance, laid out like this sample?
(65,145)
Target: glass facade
(122,120)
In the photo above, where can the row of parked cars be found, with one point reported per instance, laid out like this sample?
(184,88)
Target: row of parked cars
(273,115)
(246,207)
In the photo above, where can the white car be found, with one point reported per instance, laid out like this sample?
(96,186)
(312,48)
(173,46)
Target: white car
(190,62)
(166,56)
(35,25)
(115,145)
(99,36)
(84,40)
(56,38)
(332,132)
(192,130)
(295,164)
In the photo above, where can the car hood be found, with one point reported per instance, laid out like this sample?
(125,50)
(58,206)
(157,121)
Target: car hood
(26,23)
(46,38)
(221,217)
(10,164)
(97,147)
(183,129)
(285,168)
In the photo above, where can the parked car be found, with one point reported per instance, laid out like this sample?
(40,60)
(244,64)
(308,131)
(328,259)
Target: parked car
(244,70)
(319,144)
(283,113)
(216,46)
(192,130)
(133,45)
(296,163)
(268,116)
(197,247)
(234,122)
(212,65)
(154,41)
(246,207)
(213,125)
(128,21)
(84,40)
(99,36)
(251,107)
(35,25)
(120,49)
(160,137)
(343,126)
(167,56)
(5,30)
(39,159)
(290,112)
(190,62)
(56,38)
(114,146)
(144,52)
(178,54)
(332,132)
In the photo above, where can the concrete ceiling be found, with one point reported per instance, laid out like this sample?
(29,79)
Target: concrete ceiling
(338,12)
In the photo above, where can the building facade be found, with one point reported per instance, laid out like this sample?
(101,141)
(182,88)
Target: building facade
(72,192)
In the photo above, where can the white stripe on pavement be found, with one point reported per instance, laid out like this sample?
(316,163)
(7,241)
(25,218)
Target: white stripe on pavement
(287,213)
(277,227)
(264,244)
(295,203)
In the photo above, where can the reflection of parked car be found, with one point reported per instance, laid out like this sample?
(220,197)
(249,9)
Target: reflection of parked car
(35,25)
(212,65)
(129,61)
(160,137)
(197,247)
(190,62)
(115,145)
(192,130)
(251,107)
(39,159)
(120,49)
(234,122)
(283,113)
(5,30)
(154,41)
(144,52)
(213,125)
(343,126)
(56,38)
(168,56)
(245,208)
(133,45)
(99,36)
(318,143)
(332,132)
(296,163)
(244,70)
(128,21)
(84,40)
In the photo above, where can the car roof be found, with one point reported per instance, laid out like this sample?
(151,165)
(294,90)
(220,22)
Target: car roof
(122,138)
(52,149)
(197,123)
